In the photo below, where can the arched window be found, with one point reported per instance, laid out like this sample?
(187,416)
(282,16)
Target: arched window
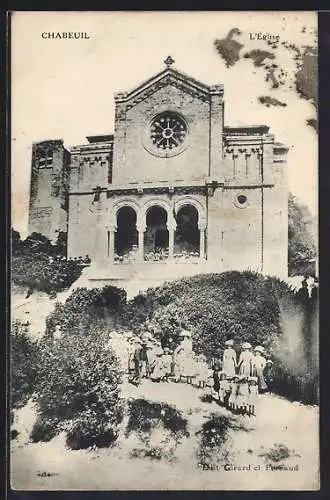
(156,235)
(126,239)
(187,235)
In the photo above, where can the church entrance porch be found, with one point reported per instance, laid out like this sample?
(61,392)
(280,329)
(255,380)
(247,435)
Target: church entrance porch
(154,231)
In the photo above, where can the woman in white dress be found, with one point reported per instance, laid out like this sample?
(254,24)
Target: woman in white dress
(183,357)
(229,359)
(245,361)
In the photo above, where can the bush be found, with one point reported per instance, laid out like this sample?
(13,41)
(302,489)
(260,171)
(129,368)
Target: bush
(145,415)
(88,430)
(44,430)
(301,238)
(215,307)
(31,265)
(78,389)
(87,308)
(24,364)
(214,443)
(239,305)
(36,272)
(303,387)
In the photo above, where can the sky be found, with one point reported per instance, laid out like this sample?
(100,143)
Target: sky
(63,89)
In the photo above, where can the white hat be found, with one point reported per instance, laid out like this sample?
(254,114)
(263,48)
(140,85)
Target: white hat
(246,345)
(229,342)
(146,335)
(259,348)
(185,333)
(269,361)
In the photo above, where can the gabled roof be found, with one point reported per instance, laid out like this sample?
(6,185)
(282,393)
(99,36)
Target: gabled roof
(167,77)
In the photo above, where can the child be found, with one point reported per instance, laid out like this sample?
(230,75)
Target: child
(167,360)
(202,371)
(157,368)
(216,379)
(208,391)
(229,380)
(224,387)
(269,375)
(242,394)
(259,362)
(232,401)
(253,394)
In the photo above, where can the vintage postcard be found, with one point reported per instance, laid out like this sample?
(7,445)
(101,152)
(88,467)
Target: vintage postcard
(164,281)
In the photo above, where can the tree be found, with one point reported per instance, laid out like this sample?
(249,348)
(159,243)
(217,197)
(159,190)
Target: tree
(38,243)
(24,364)
(78,391)
(301,240)
(60,247)
(16,242)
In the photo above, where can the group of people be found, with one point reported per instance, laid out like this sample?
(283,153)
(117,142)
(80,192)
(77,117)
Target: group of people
(238,392)
(83,261)
(250,363)
(147,358)
(235,381)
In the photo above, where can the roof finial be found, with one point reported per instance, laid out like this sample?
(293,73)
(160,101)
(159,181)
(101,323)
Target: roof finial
(169,61)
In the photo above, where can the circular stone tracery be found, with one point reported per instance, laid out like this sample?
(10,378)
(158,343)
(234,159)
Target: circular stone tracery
(168,131)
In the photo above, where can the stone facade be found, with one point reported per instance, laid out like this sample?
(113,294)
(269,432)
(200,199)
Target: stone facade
(49,188)
(172,184)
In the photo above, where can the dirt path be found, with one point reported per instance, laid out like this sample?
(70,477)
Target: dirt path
(248,442)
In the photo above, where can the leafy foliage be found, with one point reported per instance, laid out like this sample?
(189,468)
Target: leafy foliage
(78,390)
(215,307)
(32,267)
(301,240)
(37,273)
(44,430)
(302,386)
(86,309)
(24,364)
(214,443)
(244,306)
(144,415)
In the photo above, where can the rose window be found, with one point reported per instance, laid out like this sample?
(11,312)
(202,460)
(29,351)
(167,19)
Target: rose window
(168,131)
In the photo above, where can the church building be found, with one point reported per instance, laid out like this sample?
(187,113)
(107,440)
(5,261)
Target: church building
(174,191)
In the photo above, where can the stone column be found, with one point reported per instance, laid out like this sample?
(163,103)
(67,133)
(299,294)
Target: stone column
(171,226)
(141,230)
(111,247)
(170,243)
(102,244)
(202,228)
